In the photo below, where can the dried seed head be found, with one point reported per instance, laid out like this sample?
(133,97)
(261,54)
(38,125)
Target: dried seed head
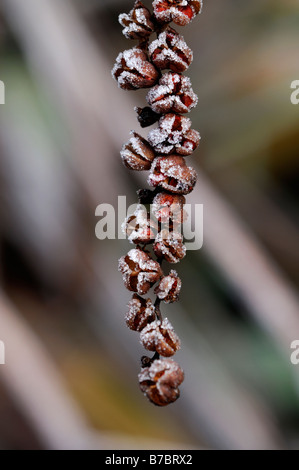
(180,12)
(161,338)
(169,246)
(169,208)
(160,381)
(141,312)
(139,227)
(140,271)
(170,51)
(146,116)
(137,154)
(132,70)
(137,24)
(174,136)
(169,288)
(172,174)
(174,94)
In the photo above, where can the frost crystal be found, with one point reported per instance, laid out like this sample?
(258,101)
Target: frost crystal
(137,24)
(172,174)
(161,338)
(133,71)
(169,288)
(169,245)
(180,12)
(170,51)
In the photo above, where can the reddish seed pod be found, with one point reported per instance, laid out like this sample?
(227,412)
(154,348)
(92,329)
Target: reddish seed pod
(139,227)
(140,271)
(174,136)
(137,154)
(170,51)
(160,381)
(169,208)
(180,12)
(172,174)
(169,288)
(169,246)
(137,24)
(174,94)
(132,70)
(141,312)
(160,337)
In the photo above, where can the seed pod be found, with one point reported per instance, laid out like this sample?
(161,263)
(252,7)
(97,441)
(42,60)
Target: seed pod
(160,381)
(180,12)
(174,136)
(139,227)
(169,208)
(170,51)
(169,288)
(132,70)
(137,24)
(160,338)
(140,271)
(141,312)
(169,246)
(137,154)
(172,173)
(174,94)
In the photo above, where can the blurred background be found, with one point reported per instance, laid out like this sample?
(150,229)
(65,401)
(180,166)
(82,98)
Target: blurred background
(70,379)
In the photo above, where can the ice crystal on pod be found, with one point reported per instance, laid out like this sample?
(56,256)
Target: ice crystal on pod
(169,288)
(169,208)
(140,271)
(169,246)
(174,136)
(160,337)
(132,70)
(172,173)
(137,154)
(174,94)
(170,51)
(140,313)
(180,12)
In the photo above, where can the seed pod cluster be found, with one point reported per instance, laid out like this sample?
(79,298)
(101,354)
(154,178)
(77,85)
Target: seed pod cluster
(158,65)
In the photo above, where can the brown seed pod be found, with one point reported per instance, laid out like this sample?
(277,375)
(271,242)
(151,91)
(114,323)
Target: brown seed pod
(137,24)
(180,12)
(132,70)
(139,227)
(169,246)
(169,288)
(140,271)
(174,136)
(173,94)
(172,174)
(137,154)
(170,51)
(169,208)
(141,312)
(160,337)
(160,381)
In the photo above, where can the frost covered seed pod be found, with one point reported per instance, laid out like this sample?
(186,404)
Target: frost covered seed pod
(172,174)
(132,70)
(180,12)
(170,51)
(141,312)
(160,337)
(137,24)
(140,271)
(160,381)
(169,288)
(137,154)
(174,94)
(174,136)
(169,208)
(169,246)
(139,227)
